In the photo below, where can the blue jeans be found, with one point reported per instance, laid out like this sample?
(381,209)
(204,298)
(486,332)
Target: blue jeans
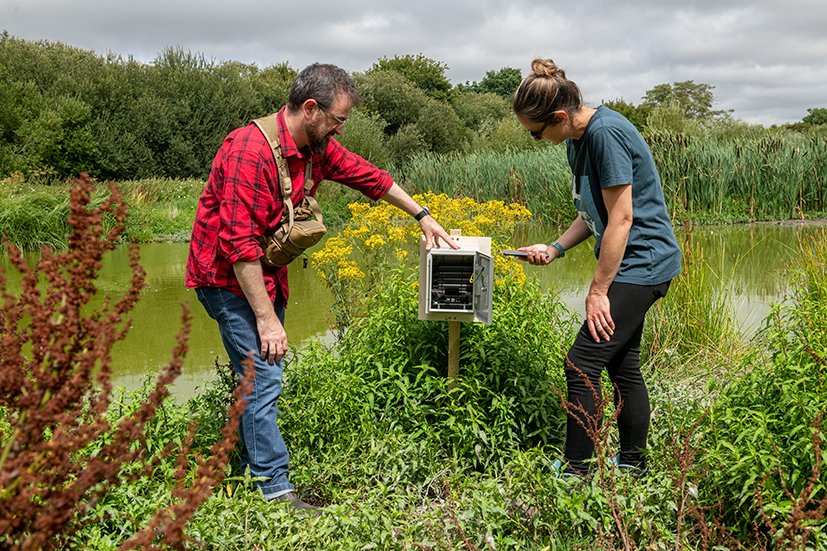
(263,448)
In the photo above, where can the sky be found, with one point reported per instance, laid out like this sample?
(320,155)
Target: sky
(766,59)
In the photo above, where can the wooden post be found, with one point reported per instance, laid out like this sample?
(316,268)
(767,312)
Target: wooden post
(453,352)
(453,341)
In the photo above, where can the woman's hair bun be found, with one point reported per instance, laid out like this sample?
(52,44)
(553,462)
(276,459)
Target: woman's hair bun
(546,68)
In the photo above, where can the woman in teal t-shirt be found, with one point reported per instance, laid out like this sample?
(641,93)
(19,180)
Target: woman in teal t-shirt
(618,194)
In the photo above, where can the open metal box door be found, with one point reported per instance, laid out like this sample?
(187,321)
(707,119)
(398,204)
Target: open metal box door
(483,287)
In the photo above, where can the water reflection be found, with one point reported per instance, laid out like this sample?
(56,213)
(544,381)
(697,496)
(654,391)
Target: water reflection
(749,260)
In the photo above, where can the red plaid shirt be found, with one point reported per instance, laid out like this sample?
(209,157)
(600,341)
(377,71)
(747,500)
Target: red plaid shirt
(242,202)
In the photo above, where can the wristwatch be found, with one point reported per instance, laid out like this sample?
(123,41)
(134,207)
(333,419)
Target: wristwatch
(561,252)
(422,214)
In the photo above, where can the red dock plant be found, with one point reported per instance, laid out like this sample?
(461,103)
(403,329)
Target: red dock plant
(55,387)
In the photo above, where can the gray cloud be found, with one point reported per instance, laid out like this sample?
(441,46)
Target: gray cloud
(764,57)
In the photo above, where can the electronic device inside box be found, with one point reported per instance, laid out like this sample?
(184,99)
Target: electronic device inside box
(457,285)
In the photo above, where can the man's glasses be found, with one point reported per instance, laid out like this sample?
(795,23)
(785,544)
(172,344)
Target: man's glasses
(340,122)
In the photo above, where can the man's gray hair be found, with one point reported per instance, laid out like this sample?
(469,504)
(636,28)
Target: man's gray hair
(322,82)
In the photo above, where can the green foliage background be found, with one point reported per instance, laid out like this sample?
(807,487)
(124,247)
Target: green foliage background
(400,460)
(65,110)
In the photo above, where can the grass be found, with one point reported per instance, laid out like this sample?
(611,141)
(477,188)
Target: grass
(160,210)
(538,178)
(770,177)
(397,460)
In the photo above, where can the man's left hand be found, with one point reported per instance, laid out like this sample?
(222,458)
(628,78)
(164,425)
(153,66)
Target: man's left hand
(433,233)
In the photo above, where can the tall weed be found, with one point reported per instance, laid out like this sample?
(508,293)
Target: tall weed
(60,450)
(692,331)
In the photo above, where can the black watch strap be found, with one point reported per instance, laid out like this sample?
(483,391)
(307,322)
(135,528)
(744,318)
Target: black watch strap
(422,214)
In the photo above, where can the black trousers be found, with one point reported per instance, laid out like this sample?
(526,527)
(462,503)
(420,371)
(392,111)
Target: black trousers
(620,355)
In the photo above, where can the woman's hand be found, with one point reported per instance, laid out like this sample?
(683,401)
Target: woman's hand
(599,316)
(539,254)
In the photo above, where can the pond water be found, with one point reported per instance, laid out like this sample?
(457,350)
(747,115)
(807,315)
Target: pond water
(748,260)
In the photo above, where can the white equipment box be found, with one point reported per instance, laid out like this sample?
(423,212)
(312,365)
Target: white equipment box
(457,285)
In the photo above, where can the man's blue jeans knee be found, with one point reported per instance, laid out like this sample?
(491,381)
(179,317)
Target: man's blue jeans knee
(263,448)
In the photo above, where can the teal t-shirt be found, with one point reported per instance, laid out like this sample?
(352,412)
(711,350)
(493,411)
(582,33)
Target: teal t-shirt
(612,152)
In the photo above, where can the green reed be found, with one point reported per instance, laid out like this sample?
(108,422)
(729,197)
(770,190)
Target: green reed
(772,176)
(538,178)
(693,327)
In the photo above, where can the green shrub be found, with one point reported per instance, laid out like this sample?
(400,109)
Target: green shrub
(388,376)
(441,127)
(364,135)
(392,97)
(765,432)
(508,135)
(407,143)
(165,119)
(474,108)
(427,74)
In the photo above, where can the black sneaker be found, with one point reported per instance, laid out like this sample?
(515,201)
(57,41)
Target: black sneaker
(297,503)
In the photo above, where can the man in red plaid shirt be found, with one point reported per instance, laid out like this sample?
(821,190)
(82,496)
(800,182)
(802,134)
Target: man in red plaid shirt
(241,203)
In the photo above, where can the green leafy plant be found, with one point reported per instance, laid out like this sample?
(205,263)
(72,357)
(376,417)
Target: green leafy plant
(764,436)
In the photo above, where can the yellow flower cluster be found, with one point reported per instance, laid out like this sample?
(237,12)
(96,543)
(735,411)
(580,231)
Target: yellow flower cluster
(491,218)
(349,270)
(397,234)
(507,269)
(401,254)
(380,237)
(335,249)
(374,241)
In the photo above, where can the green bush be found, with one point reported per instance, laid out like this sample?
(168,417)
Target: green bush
(407,143)
(401,460)
(475,109)
(764,433)
(392,97)
(364,135)
(440,127)
(507,134)
(60,139)
(65,110)
(388,376)
(427,74)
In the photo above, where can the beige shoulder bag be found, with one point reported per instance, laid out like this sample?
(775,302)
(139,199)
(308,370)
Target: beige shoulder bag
(297,230)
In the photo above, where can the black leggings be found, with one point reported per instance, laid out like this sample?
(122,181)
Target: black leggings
(620,355)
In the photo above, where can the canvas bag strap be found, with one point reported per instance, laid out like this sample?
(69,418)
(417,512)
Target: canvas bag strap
(314,205)
(269,127)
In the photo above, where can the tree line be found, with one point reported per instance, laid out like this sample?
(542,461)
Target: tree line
(64,110)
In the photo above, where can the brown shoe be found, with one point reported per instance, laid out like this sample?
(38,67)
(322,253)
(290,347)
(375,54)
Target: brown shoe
(297,503)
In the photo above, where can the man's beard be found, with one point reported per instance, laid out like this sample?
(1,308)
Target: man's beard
(318,143)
